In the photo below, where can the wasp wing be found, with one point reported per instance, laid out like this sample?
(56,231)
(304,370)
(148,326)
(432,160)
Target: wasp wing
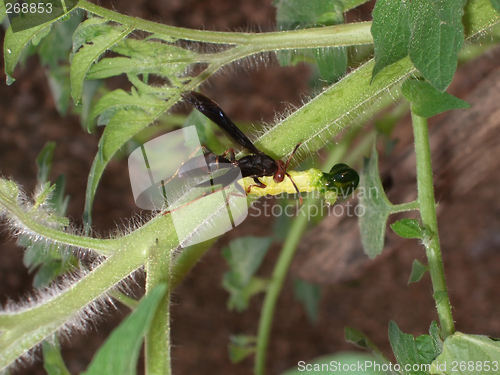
(212,110)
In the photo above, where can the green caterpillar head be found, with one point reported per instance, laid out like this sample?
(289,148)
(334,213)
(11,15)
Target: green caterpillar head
(341,179)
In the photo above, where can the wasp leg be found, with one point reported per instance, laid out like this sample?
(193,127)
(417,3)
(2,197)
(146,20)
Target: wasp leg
(257,184)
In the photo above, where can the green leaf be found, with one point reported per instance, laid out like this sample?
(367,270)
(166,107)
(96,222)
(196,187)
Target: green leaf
(239,296)
(53,361)
(2,11)
(244,256)
(115,101)
(9,192)
(437,34)
(144,56)
(472,354)
(44,162)
(91,39)
(60,87)
(352,363)
(31,19)
(47,273)
(240,347)
(294,14)
(410,351)
(309,294)
(58,200)
(376,207)
(417,271)
(120,352)
(435,333)
(391,32)
(161,92)
(298,14)
(332,63)
(410,228)
(53,260)
(496,5)
(121,128)
(15,43)
(56,46)
(425,349)
(359,339)
(427,101)
(89,100)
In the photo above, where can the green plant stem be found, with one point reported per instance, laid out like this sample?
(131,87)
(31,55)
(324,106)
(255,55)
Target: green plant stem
(429,220)
(30,225)
(157,345)
(23,329)
(347,34)
(280,271)
(403,207)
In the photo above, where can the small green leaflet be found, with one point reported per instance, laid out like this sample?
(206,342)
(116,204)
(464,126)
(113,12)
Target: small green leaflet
(435,333)
(60,87)
(244,256)
(437,36)
(51,260)
(115,101)
(90,40)
(53,51)
(120,352)
(410,228)
(53,361)
(376,206)
(44,162)
(410,351)
(391,32)
(296,14)
(418,270)
(121,127)
(240,347)
(56,47)
(144,56)
(310,295)
(427,101)
(465,349)
(15,43)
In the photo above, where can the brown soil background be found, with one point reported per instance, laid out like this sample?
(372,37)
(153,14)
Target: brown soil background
(201,324)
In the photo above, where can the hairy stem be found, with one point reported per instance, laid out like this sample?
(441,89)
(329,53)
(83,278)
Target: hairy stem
(427,206)
(341,35)
(157,346)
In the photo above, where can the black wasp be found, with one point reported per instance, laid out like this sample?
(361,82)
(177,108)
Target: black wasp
(256,165)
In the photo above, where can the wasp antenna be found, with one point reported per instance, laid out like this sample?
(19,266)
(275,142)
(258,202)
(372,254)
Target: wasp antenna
(291,156)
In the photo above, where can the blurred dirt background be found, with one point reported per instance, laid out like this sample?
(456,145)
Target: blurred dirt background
(366,297)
